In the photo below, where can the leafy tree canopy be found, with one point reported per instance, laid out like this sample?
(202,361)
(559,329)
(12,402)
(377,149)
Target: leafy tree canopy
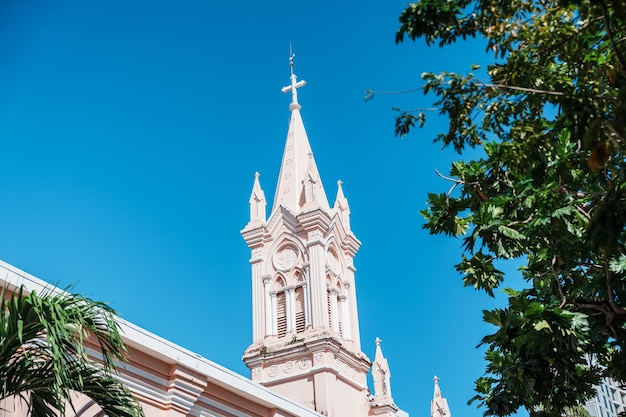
(550,188)
(44,359)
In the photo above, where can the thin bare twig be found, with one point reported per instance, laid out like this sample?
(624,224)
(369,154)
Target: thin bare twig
(583,212)
(372,93)
(614,306)
(421,109)
(522,221)
(456,183)
(448,178)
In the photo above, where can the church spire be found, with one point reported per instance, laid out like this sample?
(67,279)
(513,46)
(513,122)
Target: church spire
(381,374)
(299,182)
(341,206)
(382,401)
(257,202)
(439,405)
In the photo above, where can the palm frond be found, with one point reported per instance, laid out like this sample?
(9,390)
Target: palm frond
(44,357)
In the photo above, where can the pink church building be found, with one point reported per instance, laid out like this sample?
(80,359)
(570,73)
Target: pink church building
(305,357)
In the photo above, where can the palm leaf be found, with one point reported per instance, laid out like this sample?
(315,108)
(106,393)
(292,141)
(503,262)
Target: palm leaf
(43,354)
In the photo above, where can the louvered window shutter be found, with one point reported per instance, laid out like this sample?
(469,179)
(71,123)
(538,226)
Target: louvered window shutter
(330,309)
(281,313)
(300,319)
(340,318)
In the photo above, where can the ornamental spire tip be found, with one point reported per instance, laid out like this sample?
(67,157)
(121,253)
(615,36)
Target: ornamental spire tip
(294,83)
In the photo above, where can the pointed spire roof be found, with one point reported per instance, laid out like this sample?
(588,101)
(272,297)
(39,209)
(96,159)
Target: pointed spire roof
(439,405)
(381,374)
(299,182)
(257,201)
(341,206)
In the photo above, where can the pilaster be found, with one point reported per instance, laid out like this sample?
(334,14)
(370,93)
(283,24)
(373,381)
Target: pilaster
(184,388)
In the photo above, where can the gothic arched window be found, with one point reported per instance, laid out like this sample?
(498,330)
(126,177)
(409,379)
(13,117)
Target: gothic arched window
(338,317)
(340,299)
(329,305)
(300,310)
(279,307)
(281,313)
(289,305)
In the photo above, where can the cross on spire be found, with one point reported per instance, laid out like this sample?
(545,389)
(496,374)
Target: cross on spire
(294,84)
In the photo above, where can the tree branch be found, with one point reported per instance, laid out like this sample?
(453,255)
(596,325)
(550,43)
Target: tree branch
(583,212)
(456,184)
(457,181)
(611,295)
(369,94)
(522,221)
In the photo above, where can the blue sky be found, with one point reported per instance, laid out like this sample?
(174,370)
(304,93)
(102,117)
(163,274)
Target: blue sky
(130,133)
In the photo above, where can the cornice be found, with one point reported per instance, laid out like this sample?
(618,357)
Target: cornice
(254,237)
(283,217)
(315,219)
(283,349)
(351,244)
(273,366)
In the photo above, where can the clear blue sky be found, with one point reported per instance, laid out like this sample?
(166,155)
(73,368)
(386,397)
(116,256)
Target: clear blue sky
(130,132)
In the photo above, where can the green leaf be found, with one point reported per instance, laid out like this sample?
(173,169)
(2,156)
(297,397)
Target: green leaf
(492,317)
(618,265)
(543,325)
(20,330)
(511,233)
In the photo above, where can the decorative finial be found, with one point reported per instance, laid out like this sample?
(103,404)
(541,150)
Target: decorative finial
(291,57)
(294,84)
(377,339)
(436,379)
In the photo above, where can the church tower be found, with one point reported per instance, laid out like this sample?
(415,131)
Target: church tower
(439,405)
(306,342)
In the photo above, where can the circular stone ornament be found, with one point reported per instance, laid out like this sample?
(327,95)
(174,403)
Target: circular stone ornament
(286,258)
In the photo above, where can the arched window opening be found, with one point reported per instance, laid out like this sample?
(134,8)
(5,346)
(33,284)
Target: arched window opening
(281,313)
(300,310)
(330,309)
(338,314)
(339,309)
(298,277)
(279,283)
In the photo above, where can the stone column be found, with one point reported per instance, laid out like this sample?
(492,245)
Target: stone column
(352,305)
(274,314)
(334,311)
(290,300)
(345,318)
(269,318)
(307,306)
(317,279)
(257,297)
